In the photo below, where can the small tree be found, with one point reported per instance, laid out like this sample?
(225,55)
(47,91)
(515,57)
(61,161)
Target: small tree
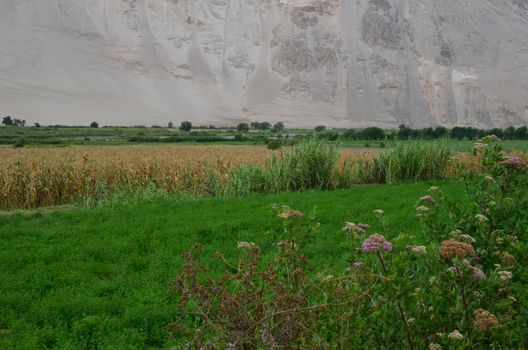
(278,127)
(170,126)
(440,132)
(243,127)
(37,125)
(458,133)
(94,125)
(509,133)
(7,121)
(521,133)
(320,128)
(350,134)
(372,133)
(186,126)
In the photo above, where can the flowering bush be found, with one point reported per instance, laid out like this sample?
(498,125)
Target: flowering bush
(462,287)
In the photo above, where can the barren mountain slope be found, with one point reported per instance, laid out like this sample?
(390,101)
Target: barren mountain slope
(347,63)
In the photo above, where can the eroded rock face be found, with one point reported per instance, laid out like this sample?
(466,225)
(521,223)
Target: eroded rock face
(348,63)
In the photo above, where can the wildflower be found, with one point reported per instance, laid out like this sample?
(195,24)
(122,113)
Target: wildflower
(248,246)
(453,269)
(489,179)
(467,238)
(352,227)
(433,189)
(422,208)
(514,162)
(484,320)
(285,244)
(478,273)
(328,278)
(375,243)
(290,213)
(378,212)
(505,275)
(481,218)
(435,346)
(427,199)
(479,146)
(455,249)
(507,258)
(358,265)
(419,249)
(455,335)
(455,233)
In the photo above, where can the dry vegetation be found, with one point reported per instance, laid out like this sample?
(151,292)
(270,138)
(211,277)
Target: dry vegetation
(33,177)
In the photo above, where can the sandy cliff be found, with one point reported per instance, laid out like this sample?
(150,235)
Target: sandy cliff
(347,63)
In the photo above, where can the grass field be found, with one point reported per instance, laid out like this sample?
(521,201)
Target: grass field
(78,279)
(65,136)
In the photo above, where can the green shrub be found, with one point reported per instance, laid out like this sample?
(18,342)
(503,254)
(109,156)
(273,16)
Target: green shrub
(274,144)
(20,143)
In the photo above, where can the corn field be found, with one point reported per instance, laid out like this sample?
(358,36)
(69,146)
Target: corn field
(37,177)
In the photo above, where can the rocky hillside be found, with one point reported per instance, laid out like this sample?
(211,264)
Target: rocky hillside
(347,63)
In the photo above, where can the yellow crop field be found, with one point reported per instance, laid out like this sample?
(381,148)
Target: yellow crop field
(35,177)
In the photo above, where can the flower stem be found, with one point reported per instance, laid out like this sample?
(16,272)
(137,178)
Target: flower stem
(400,308)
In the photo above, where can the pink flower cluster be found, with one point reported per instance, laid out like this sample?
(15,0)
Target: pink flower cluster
(375,243)
(514,162)
(427,199)
(356,228)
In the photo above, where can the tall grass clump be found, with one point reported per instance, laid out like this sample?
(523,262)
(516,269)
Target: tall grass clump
(309,165)
(414,161)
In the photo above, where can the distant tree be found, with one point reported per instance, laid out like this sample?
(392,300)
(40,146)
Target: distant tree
(320,128)
(94,125)
(19,122)
(331,136)
(274,144)
(458,133)
(278,127)
(212,127)
(350,134)
(372,133)
(170,125)
(186,126)
(427,133)
(243,127)
(404,133)
(265,126)
(260,126)
(497,132)
(7,121)
(521,133)
(471,133)
(37,125)
(509,133)
(440,132)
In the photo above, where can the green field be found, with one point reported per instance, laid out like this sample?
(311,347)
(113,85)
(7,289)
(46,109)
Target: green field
(79,278)
(64,136)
